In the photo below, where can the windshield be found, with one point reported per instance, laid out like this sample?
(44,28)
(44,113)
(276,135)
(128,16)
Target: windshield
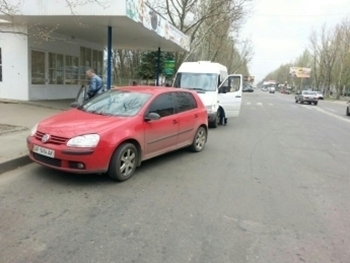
(308,93)
(197,81)
(117,103)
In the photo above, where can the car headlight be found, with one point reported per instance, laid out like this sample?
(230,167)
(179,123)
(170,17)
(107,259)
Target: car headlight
(88,140)
(33,130)
(209,108)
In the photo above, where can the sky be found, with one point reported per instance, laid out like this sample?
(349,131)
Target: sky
(280,29)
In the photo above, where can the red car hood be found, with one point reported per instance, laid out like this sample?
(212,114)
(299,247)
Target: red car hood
(76,122)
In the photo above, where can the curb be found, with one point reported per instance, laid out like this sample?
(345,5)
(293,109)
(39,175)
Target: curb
(33,103)
(14,163)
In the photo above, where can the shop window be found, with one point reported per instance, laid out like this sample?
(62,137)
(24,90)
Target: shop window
(38,67)
(52,68)
(90,58)
(0,66)
(60,69)
(71,70)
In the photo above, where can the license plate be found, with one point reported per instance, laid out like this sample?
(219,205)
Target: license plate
(44,151)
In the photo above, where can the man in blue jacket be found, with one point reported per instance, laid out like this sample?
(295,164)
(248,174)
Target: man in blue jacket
(95,84)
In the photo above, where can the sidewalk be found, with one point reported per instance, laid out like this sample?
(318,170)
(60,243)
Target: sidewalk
(16,120)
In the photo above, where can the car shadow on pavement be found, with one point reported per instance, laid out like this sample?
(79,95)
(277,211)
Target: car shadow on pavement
(55,176)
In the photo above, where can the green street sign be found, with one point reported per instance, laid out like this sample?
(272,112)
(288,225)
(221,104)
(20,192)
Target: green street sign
(169,67)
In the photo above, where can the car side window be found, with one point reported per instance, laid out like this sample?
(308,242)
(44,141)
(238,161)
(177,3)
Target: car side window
(231,84)
(163,105)
(184,101)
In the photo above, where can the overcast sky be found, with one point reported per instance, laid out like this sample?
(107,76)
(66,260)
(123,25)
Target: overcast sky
(280,29)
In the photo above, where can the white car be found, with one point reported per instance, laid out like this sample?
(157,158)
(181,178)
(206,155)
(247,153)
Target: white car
(272,90)
(319,95)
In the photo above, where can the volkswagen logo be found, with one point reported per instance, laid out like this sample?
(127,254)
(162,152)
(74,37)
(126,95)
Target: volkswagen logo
(45,138)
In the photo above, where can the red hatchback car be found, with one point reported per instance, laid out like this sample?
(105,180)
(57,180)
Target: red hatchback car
(117,130)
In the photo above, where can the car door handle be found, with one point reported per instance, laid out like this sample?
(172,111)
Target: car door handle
(196,115)
(174,121)
(238,97)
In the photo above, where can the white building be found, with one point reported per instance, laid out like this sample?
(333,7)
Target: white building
(46,47)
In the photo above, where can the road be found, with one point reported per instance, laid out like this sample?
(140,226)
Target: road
(271,187)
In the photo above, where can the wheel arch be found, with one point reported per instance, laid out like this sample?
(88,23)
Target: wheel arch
(136,144)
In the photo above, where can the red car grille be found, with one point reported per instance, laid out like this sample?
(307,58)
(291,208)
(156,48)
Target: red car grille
(47,160)
(53,139)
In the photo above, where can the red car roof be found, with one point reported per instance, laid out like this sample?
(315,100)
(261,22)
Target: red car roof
(150,89)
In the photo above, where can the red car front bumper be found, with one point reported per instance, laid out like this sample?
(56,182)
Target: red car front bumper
(68,159)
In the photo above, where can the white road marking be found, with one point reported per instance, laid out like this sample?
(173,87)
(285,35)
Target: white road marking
(330,109)
(259,103)
(333,115)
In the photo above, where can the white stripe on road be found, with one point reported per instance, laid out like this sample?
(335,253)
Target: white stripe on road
(330,109)
(333,115)
(259,103)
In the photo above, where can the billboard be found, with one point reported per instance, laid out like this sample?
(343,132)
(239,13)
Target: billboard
(300,72)
(249,78)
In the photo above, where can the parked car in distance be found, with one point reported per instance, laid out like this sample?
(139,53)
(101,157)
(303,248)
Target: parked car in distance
(118,129)
(248,89)
(306,96)
(319,95)
(348,109)
(272,90)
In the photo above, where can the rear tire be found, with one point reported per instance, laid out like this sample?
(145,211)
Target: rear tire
(123,163)
(199,140)
(315,103)
(347,111)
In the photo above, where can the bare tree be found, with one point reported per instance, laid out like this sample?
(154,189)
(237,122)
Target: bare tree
(206,22)
(341,68)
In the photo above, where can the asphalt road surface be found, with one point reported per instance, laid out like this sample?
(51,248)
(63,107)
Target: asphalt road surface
(272,187)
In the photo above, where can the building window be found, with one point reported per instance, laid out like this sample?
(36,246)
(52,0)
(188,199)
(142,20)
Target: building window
(38,67)
(71,70)
(52,68)
(63,69)
(90,58)
(0,66)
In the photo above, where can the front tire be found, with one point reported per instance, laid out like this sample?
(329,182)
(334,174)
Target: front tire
(214,123)
(315,103)
(347,111)
(199,140)
(123,163)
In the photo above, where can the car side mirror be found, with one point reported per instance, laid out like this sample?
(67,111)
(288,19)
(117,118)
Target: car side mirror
(152,116)
(75,104)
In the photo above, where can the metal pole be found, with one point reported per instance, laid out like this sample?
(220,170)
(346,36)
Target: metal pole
(109,58)
(158,67)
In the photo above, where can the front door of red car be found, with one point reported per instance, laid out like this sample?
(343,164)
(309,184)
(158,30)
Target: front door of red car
(188,115)
(161,135)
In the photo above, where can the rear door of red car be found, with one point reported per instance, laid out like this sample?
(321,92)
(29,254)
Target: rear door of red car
(188,115)
(161,135)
